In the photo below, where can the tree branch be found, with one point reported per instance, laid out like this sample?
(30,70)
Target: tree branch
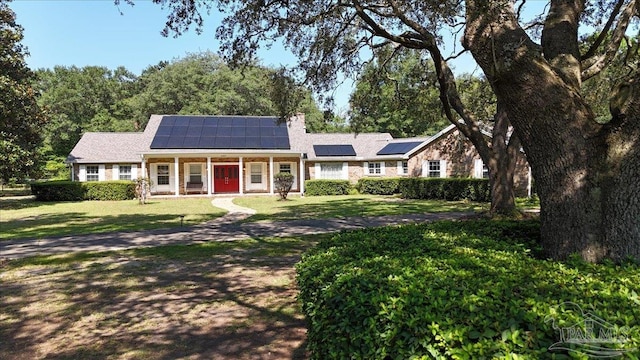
(604,32)
(607,57)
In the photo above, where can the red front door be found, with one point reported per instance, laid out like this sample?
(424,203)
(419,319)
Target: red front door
(226,179)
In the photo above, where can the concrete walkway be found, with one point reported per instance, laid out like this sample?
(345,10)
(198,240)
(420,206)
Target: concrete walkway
(225,228)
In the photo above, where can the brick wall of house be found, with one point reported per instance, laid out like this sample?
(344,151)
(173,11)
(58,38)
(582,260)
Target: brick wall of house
(460,155)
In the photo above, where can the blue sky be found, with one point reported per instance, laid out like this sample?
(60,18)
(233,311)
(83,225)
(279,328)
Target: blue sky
(96,32)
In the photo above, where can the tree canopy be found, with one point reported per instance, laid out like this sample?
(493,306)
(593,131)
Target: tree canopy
(94,98)
(21,119)
(396,94)
(536,70)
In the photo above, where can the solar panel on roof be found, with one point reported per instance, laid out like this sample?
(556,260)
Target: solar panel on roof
(209,131)
(220,132)
(175,142)
(194,131)
(398,148)
(334,150)
(206,142)
(252,142)
(238,131)
(225,121)
(223,142)
(224,131)
(164,130)
(159,142)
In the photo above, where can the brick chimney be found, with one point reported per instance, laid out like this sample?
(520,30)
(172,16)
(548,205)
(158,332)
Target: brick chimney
(297,125)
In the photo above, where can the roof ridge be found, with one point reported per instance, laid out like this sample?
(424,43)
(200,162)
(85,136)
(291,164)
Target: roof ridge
(114,132)
(192,115)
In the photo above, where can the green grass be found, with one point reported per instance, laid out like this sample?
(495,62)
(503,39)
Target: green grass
(342,206)
(27,218)
(525,203)
(273,247)
(214,300)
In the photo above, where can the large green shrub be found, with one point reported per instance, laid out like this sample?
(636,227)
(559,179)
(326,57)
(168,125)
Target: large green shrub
(58,191)
(110,190)
(326,187)
(378,186)
(453,290)
(445,188)
(76,191)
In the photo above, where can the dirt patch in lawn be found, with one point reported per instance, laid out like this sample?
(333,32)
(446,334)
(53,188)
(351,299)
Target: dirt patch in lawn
(234,303)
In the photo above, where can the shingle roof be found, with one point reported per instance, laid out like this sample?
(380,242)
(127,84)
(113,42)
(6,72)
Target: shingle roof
(365,144)
(105,147)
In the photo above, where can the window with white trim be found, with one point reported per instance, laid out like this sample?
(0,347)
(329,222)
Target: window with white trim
(285,168)
(374,168)
(480,169)
(403,167)
(331,171)
(256,173)
(433,168)
(195,173)
(163,175)
(93,173)
(124,172)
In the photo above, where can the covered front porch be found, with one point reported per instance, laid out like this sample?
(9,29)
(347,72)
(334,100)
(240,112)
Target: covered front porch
(212,174)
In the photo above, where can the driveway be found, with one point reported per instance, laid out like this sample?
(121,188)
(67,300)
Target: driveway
(226,228)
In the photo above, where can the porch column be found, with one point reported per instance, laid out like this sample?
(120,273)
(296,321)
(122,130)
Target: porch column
(271,173)
(143,169)
(209,179)
(73,172)
(176,176)
(301,176)
(241,175)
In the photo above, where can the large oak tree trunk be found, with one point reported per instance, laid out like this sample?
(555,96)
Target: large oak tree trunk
(587,174)
(502,165)
(621,185)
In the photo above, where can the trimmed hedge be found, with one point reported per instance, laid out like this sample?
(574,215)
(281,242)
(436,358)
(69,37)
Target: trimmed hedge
(78,191)
(326,187)
(445,188)
(378,186)
(461,290)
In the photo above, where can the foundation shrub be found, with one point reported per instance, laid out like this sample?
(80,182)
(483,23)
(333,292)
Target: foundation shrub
(77,191)
(327,187)
(455,290)
(445,189)
(378,186)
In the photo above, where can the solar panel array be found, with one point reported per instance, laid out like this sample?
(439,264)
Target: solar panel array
(334,150)
(398,148)
(220,132)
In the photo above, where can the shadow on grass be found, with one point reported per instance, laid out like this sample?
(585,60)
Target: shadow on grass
(350,207)
(234,300)
(22,203)
(74,223)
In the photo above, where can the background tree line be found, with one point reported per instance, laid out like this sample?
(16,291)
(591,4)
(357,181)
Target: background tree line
(95,98)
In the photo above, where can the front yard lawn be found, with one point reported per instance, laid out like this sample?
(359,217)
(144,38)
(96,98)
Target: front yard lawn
(27,218)
(342,206)
(217,300)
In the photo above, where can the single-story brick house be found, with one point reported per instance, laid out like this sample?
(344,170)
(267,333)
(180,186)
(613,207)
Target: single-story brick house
(240,154)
